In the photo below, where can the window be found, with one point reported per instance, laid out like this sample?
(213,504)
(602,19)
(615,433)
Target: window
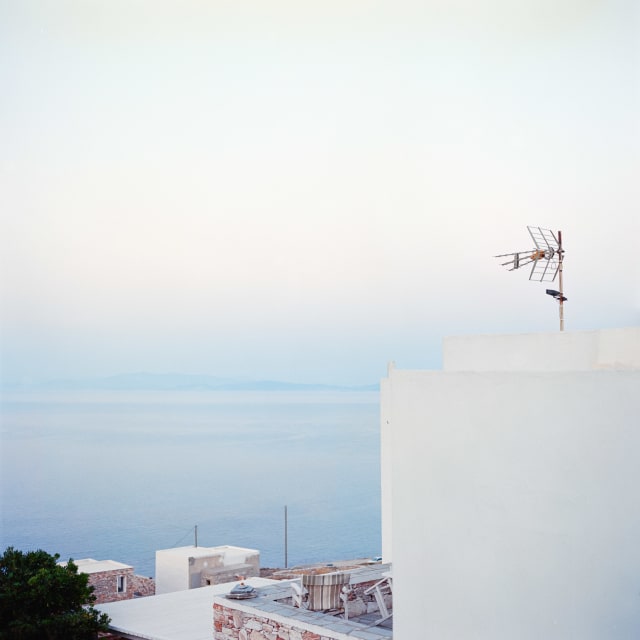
(122,584)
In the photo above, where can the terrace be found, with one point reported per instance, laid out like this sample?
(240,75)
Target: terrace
(271,612)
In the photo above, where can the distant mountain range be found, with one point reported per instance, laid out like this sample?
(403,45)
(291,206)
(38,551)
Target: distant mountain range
(177,381)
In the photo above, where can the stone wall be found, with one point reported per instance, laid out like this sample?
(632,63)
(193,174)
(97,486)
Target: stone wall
(105,585)
(230,624)
(221,575)
(143,587)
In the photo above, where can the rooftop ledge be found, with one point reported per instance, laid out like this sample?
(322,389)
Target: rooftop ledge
(271,607)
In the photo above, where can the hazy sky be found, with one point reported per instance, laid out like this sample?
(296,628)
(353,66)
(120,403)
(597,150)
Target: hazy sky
(307,190)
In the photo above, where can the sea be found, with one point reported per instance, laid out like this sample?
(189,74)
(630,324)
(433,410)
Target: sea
(116,475)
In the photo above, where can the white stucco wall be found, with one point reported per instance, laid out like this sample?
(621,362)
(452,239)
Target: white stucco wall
(559,351)
(515,510)
(386,468)
(181,567)
(172,570)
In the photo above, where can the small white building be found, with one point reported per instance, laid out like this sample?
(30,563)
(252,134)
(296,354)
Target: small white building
(509,488)
(192,567)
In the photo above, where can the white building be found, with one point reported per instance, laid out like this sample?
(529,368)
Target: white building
(509,488)
(191,567)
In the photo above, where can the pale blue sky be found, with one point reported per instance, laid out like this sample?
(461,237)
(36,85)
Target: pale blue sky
(304,191)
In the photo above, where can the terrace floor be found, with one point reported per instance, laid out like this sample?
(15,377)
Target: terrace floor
(274,600)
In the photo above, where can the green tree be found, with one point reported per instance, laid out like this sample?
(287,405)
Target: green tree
(40,599)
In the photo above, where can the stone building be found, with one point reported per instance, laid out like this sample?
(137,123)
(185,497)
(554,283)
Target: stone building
(113,581)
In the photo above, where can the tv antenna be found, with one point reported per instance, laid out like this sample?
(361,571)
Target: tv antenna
(545,260)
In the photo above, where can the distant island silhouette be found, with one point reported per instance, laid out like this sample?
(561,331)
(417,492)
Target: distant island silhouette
(143,381)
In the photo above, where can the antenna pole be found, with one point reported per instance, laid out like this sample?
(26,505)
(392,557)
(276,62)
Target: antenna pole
(195,531)
(286,559)
(560,256)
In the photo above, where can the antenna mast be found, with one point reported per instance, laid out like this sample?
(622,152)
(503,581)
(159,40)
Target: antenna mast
(545,260)
(561,297)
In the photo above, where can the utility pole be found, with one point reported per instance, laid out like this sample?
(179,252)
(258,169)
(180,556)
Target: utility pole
(286,550)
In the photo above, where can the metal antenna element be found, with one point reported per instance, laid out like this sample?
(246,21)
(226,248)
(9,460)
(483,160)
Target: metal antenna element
(545,260)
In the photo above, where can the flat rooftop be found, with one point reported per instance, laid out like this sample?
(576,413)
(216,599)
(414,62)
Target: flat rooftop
(89,565)
(179,615)
(192,551)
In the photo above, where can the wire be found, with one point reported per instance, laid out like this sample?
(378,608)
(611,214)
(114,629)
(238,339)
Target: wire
(175,544)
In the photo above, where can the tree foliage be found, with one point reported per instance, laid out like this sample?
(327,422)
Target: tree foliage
(40,599)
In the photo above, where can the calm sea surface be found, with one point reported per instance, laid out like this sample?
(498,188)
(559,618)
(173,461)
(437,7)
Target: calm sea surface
(117,475)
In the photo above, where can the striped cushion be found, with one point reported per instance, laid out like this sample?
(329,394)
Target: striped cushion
(324,589)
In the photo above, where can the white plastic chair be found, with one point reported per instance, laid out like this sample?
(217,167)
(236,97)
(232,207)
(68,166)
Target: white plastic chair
(299,595)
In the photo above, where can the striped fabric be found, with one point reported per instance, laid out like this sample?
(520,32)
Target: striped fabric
(324,589)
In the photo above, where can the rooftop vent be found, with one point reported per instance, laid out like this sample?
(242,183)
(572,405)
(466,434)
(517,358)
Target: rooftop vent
(242,591)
